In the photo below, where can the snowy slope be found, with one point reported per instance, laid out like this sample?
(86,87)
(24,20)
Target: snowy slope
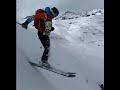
(76,45)
(72,15)
(67,15)
(85,30)
(93,12)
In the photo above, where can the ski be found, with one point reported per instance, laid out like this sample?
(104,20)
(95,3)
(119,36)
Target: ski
(52,69)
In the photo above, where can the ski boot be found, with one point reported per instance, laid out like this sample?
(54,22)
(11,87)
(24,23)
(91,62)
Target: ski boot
(25,24)
(45,63)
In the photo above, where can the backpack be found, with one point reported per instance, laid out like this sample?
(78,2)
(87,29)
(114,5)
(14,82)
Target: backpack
(42,21)
(37,20)
(39,11)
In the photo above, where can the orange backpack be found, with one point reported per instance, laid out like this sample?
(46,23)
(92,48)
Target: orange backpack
(39,14)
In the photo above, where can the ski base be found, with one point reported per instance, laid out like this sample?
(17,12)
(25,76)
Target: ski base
(52,69)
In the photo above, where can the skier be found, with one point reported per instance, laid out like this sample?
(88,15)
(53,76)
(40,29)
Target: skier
(43,23)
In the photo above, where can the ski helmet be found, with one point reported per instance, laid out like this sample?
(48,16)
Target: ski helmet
(54,11)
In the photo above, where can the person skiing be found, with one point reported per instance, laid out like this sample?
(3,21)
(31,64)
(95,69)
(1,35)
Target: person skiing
(43,23)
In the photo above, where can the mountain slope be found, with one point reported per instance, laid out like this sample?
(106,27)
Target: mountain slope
(76,45)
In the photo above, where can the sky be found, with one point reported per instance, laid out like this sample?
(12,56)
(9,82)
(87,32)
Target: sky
(29,6)
(79,5)
(75,5)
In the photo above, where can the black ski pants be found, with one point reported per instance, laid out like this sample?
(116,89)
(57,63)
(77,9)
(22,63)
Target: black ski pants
(46,44)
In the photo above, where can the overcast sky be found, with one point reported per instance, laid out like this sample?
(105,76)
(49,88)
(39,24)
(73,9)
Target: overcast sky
(28,7)
(75,5)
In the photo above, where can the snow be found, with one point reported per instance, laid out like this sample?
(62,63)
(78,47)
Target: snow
(77,45)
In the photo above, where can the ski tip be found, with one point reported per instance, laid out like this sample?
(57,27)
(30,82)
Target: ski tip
(71,75)
(30,62)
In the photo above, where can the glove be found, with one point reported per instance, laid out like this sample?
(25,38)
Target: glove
(25,25)
(52,29)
